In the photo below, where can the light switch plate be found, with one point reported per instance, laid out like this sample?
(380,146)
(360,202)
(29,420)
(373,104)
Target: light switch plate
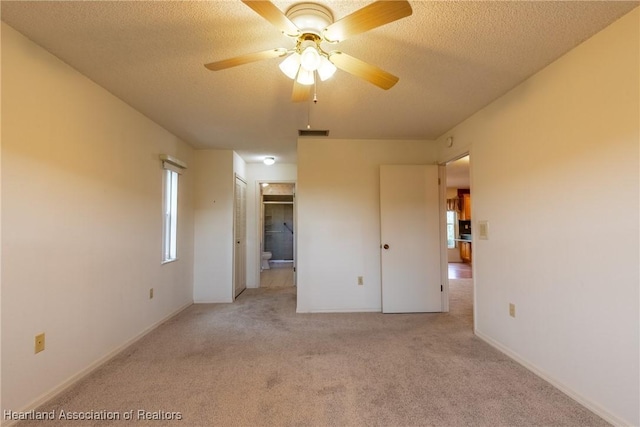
(483,230)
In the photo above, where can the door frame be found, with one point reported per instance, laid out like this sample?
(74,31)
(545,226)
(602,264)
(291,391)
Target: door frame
(260,225)
(443,233)
(444,262)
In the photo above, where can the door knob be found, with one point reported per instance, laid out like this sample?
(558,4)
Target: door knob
(386,246)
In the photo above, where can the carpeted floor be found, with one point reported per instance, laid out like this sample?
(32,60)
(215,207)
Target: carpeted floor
(257,363)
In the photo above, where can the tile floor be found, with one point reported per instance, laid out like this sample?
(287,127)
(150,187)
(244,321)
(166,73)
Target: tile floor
(279,276)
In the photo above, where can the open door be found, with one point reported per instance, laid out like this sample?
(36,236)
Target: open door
(410,232)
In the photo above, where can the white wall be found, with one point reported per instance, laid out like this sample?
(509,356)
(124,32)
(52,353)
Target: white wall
(555,172)
(82,223)
(213,248)
(338,201)
(256,173)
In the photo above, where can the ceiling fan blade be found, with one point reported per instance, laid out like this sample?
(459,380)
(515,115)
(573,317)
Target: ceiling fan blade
(365,19)
(361,69)
(271,13)
(245,59)
(300,93)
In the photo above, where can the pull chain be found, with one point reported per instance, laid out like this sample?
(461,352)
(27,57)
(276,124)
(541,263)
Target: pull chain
(315,101)
(315,91)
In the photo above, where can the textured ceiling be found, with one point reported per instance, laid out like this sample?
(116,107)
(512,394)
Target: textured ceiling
(452,58)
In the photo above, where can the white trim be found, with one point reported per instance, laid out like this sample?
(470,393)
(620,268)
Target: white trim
(172,168)
(211,301)
(344,310)
(75,378)
(444,246)
(240,177)
(587,403)
(168,161)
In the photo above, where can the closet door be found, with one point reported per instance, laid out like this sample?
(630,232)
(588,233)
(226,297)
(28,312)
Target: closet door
(410,232)
(240,238)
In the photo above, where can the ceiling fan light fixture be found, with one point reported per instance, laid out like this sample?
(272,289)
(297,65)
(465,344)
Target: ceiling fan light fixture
(310,58)
(311,24)
(291,65)
(305,77)
(326,69)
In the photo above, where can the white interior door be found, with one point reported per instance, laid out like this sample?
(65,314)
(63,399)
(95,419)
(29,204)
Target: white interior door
(240,238)
(410,232)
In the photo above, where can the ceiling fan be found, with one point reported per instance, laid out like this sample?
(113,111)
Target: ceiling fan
(311,24)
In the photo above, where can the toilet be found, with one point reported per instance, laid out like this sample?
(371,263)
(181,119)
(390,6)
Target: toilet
(266,256)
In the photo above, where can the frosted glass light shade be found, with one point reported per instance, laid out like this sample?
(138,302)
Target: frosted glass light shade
(310,59)
(269,161)
(290,65)
(305,77)
(326,69)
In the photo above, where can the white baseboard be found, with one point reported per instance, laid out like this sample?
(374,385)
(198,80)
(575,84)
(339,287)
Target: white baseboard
(344,310)
(92,367)
(587,403)
(212,301)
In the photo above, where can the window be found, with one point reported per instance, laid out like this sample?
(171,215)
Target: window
(451,229)
(170,211)
(172,169)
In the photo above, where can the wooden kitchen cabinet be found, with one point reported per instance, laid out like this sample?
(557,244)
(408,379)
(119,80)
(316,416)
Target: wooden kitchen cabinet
(465,213)
(465,251)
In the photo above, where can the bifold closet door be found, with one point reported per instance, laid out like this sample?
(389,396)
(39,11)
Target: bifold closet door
(240,238)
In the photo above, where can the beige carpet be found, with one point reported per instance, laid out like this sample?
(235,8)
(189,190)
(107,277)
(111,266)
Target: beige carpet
(257,363)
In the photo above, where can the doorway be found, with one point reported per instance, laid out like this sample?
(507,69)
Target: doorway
(277,242)
(240,237)
(459,236)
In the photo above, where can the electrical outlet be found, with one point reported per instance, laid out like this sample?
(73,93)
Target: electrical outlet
(39,343)
(150,293)
(360,281)
(512,310)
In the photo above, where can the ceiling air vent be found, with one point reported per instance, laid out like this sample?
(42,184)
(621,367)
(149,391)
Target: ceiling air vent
(312,132)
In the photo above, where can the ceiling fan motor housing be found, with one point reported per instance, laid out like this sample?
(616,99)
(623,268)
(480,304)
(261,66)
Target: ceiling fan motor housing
(310,17)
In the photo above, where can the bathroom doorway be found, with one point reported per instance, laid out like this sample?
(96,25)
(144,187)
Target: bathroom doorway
(277,267)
